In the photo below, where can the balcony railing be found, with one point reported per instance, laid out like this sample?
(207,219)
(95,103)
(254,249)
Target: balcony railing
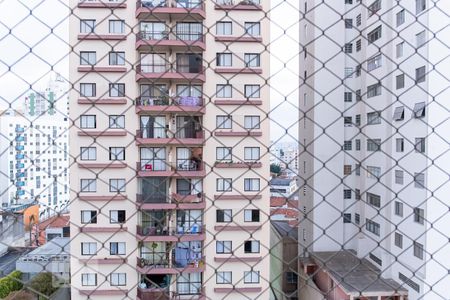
(166,101)
(188,165)
(152,198)
(152,3)
(163,229)
(189,4)
(152,133)
(166,35)
(164,68)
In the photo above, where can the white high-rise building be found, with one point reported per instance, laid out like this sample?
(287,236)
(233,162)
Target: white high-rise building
(375,125)
(34,157)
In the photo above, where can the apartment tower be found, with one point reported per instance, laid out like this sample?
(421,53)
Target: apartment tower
(168,139)
(373,133)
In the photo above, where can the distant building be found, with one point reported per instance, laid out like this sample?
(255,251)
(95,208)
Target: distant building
(53,227)
(284,209)
(282,187)
(53,257)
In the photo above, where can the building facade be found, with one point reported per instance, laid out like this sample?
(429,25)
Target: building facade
(368,133)
(168,174)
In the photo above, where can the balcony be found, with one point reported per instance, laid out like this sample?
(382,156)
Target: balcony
(101,4)
(175,201)
(163,293)
(186,104)
(238,5)
(150,41)
(170,9)
(171,261)
(191,169)
(190,73)
(161,232)
(147,137)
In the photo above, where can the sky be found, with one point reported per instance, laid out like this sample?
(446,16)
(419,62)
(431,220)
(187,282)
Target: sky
(34,42)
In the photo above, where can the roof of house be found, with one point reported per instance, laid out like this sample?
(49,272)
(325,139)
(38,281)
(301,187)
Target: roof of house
(56,246)
(55,222)
(281,181)
(284,229)
(355,275)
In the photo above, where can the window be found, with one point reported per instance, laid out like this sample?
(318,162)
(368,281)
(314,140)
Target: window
(117,216)
(224,277)
(88,121)
(373,227)
(419,215)
(374,90)
(252,60)
(224,91)
(421,5)
(358,145)
(87,89)
(347,218)
(251,184)
(419,145)
(251,247)
(347,194)
(252,28)
(224,215)
(374,200)
(348,23)
(348,72)
(88,58)
(348,48)
(224,185)
(251,215)
(418,250)
(224,59)
(347,145)
(348,121)
(251,277)
(348,97)
(117,185)
(223,154)
(223,247)
(116,58)
(374,118)
(398,240)
(346,2)
(399,145)
(373,172)
(252,91)
(400,17)
(88,185)
(419,110)
(373,145)
(117,90)
(376,259)
(224,28)
(89,217)
(419,180)
(374,35)
(358,20)
(399,49)
(117,248)
(88,153)
(409,282)
(357,219)
(420,74)
(374,7)
(374,62)
(358,170)
(400,81)
(116,153)
(251,122)
(118,279)
(358,45)
(88,279)
(251,153)
(399,176)
(88,248)
(398,209)
(224,122)
(87,26)
(358,120)
(347,169)
(420,39)
(358,70)
(358,95)
(117,26)
(291,277)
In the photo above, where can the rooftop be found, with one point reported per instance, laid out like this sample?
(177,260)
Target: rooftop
(56,246)
(284,229)
(355,275)
(281,181)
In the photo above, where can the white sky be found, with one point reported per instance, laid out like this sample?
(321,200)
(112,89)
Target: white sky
(33,31)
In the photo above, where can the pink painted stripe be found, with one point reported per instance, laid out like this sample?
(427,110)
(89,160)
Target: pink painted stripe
(244,165)
(172,75)
(169,270)
(233,39)
(237,259)
(102,37)
(152,206)
(238,7)
(104,261)
(115,165)
(103,198)
(171,141)
(170,43)
(239,290)
(236,228)
(238,133)
(103,229)
(102,101)
(103,133)
(238,102)
(170,108)
(104,292)
(100,4)
(170,10)
(237,197)
(238,70)
(156,238)
(102,69)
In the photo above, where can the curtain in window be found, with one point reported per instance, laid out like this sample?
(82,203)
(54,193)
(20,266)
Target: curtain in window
(183,158)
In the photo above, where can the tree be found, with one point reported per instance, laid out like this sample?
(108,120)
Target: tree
(275,168)
(10,283)
(43,284)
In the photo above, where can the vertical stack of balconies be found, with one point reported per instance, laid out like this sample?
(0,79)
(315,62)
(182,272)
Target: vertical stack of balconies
(170,199)
(20,166)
